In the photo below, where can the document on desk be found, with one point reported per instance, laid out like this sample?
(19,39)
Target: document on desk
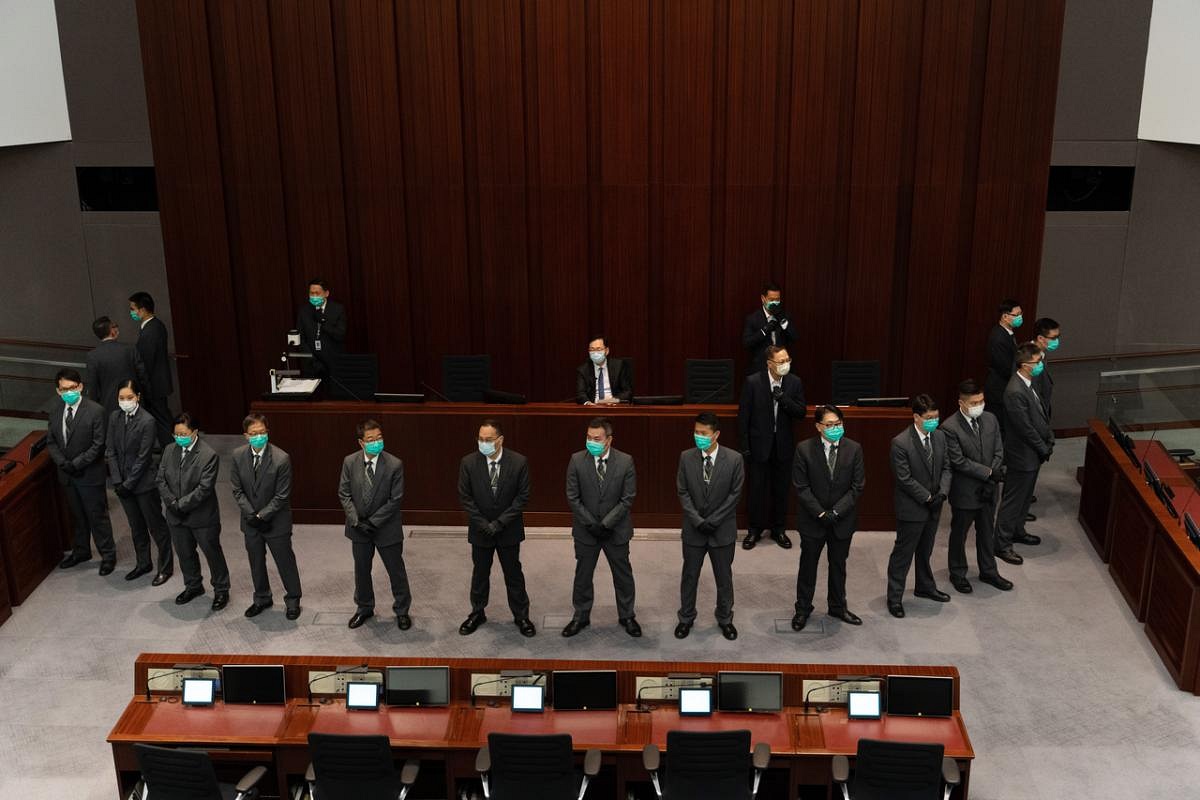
(298,385)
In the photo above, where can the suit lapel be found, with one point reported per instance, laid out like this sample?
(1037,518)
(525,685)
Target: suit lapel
(919,449)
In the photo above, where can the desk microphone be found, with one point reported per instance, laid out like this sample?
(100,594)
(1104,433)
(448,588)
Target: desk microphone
(842,680)
(506,675)
(178,669)
(440,396)
(360,668)
(712,394)
(674,676)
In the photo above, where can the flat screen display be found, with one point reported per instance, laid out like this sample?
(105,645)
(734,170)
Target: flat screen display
(199,691)
(253,684)
(418,686)
(362,696)
(581,690)
(863,705)
(920,696)
(695,702)
(749,691)
(528,698)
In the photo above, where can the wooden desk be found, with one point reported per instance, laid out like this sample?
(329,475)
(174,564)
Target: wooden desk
(433,437)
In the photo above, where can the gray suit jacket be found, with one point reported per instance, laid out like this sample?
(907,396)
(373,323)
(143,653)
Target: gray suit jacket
(819,492)
(85,449)
(379,505)
(972,459)
(193,487)
(915,484)
(129,450)
(267,492)
(507,505)
(609,505)
(715,502)
(1027,437)
(108,365)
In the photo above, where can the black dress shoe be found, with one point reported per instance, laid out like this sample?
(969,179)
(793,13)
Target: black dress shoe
(1002,584)
(961,585)
(1030,517)
(630,624)
(138,572)
(574,627)
(848,617)
(161,578)
(73,560)
(525,627)
(473,621)
(751,540)
(1027,538)
(782,540)
(799,620)
(257,608)
(936,595)
(682,630)
(1010,556)
(107,567)
(220,600)
(404,622)
(293,613)
(187,596)
(727,630)
(359,618)
(896,610)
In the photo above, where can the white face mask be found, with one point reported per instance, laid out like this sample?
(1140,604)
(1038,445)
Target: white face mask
(128,406)
(597,358)
(783,369)
(975,412)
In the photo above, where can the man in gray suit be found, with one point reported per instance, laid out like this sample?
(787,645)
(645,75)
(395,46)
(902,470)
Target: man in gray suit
(110,364)
(371,491)
(829,475)
(75,440)
(261,476)
(601,485)
(709,482)
(1028,443)
(187,480)
(922,471)
(976,455)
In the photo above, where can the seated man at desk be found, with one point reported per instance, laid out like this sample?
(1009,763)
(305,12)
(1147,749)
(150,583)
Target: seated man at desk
(603,380)
(322,326)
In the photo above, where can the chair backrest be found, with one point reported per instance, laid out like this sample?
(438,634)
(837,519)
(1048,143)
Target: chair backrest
(532,766)
(353,376)
(466,378)
(707,766)
(172,774)
(353,767)
(897,771)
(854,379)
(708,380)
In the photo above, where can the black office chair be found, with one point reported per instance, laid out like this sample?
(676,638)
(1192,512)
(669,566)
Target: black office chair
(170,774)
(708,380)
(707,766)
(353,376)
(1181,454)
(515,767)
(854,379)
(356,768)
(897,771)
(466,379)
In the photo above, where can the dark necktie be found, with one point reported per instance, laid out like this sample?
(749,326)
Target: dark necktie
(832,461)
(258,458)
(600,385)
(975,427)
(929,454)
(370,475)
(708,466)
(70,421)
(601,469)
(495,478)
(182,457)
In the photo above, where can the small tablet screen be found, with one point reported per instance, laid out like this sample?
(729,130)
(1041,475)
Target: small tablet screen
(198,691)
(695,702)
(863,705)
(360,695)
(528,698)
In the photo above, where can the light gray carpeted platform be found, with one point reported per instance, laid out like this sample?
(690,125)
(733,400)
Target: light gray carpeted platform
(1062,693)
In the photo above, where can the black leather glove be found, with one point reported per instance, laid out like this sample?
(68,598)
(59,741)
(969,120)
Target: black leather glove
(772,325)
(746,454)
(1044,458)
(120,491)
(986,492)
(257,522)
(777,392)
(936,501)
(706,527)
(603,532)
(72,470)
(997,475)
(593,528)
(173,507)
(494,527)
(829,519)
(366,528)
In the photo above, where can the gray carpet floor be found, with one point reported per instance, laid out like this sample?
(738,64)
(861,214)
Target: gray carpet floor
(1062,693)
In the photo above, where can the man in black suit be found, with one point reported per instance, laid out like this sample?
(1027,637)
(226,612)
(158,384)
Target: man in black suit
(110,364)
(371,491)
(322,326)
(1049,334)
(922,471)
(1002,353)
(976,453)
(771,402)
(829,475)
(765,327)
(1028,443)
(76,438)
(493,489)
(152,346)
(603,380)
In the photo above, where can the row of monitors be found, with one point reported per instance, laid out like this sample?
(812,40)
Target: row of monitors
(571,690)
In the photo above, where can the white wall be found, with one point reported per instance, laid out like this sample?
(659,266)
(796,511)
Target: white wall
(33,99)
(1171,88)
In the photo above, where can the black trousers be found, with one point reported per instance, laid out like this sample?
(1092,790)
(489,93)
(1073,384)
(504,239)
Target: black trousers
(912,539)
(1014,505)
(770,487)
(208,539)
(285,561)
(160,409)
(586,556)
(961,520)
(514,578)
(144,512)
(806,578)
(89,510)
(392,556)
(721,559)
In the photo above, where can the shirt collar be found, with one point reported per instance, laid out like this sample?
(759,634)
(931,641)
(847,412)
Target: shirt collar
(75,405)
(1027,381)
(494,458)
(143,324)
(713,454)
(920,432)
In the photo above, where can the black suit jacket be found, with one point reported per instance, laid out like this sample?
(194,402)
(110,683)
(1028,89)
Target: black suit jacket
(110,364)
(332,321)
(507,505)
(85,448)
(756,339)
(1028,438)
(152,347)
(819,492)
(972,459)
(129,450)
(1002,358)
(617,374)
(757,423)
(1044,385)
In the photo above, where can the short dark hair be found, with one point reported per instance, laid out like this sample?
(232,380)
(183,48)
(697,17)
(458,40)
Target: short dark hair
(101,327)
(142,300)
(367,424)
(491,423)
(820,411)
(1027,351)
(709,419)
(771,286)
(67,374)
(969,388)
(772,350)
(130,383)
(184,418)
(254,417)
(601,422)
(923,404)
(324,284)
(1045,325)
(599,336)
(1007,305)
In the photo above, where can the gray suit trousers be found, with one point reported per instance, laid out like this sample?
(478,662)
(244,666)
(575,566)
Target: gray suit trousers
(1014,505)
(144,512)
(208,539)
(392,557)
(89,509)
(912,538)
(586,556)
(721,559)
(285,562)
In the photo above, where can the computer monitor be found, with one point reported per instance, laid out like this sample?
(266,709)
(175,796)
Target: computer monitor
(863,705)
(695,702)
(418,686)
(362,696)
(528,698)
(584,690)
(749,691)
(199,691)
(920,696)
(253,684)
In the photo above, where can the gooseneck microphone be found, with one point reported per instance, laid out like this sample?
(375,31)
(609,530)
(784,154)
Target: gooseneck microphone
(175,671)
(346,671)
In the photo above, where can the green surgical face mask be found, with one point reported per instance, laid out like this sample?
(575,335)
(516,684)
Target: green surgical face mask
(703,442)
(316,300)
(258,441)
(374,448)
(1038,369)
(1017,320)
(184,441)
(133,315)
(595,448)
(1052,345)
(929,425)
